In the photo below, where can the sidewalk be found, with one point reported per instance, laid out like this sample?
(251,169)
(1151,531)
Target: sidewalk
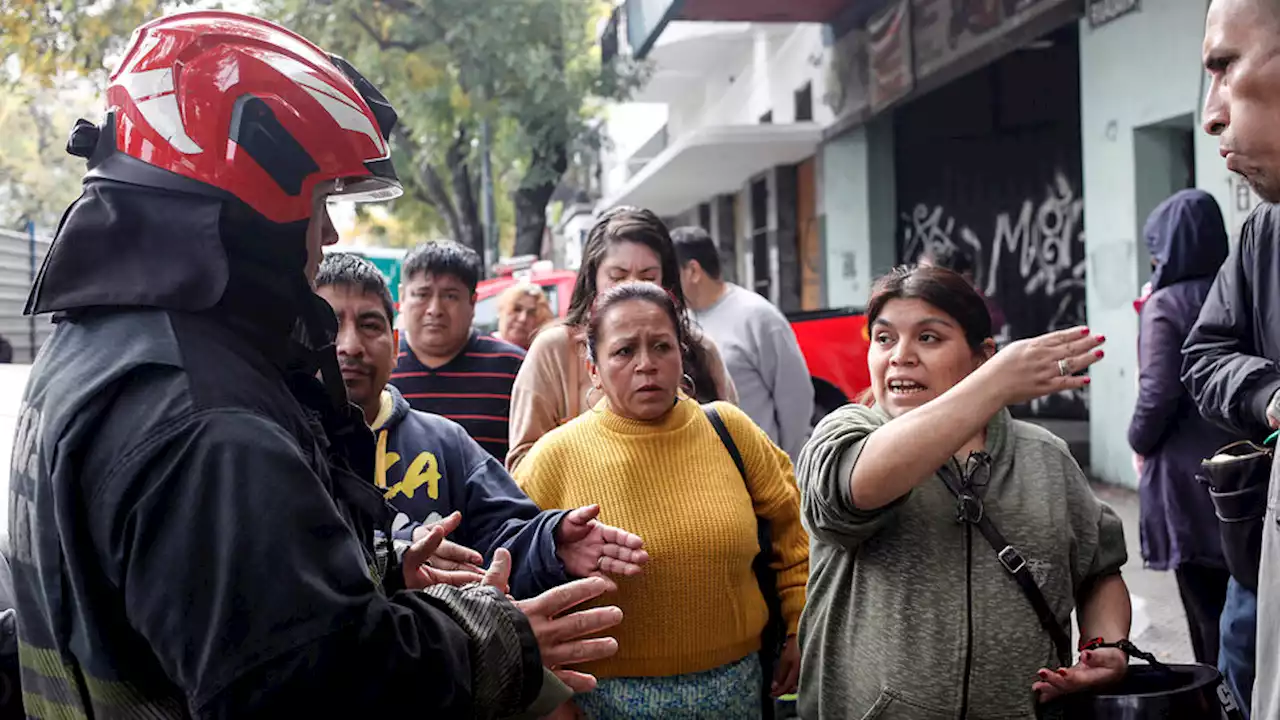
(1159,623)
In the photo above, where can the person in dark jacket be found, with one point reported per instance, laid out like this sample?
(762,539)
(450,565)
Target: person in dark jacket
(1231,355)
(192,511)
(1179,530)
(429,467)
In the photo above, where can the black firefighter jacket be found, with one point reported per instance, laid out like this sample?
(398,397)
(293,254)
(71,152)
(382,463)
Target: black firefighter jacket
(185,544)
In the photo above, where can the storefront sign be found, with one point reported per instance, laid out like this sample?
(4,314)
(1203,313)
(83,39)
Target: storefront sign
(889,46)
(847,92)
(944,31)
(1102,12)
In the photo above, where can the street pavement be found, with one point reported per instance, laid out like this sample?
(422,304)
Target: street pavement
(1159,623)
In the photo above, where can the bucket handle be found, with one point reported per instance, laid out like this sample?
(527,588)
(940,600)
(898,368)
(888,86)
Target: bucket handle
(1128,648)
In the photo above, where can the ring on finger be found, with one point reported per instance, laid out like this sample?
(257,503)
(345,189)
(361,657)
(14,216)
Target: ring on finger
(1064,368)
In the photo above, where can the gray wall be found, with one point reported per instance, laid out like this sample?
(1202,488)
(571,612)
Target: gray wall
(858,205)
(1139,71)
(15,284)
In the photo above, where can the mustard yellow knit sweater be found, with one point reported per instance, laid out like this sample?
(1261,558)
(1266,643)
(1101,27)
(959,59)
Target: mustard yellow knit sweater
(671,481)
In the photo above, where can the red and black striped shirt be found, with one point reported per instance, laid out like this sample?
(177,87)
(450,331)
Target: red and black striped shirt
(473,389)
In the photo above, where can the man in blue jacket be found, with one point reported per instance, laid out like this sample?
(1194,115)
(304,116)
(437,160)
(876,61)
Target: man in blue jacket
(430,469)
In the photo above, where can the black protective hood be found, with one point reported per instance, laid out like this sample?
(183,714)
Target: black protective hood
(126,246)
(122,245)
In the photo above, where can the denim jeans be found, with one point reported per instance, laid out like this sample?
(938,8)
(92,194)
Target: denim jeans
(1237,642)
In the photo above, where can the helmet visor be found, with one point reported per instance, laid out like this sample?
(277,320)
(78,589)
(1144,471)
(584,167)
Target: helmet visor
(365,189)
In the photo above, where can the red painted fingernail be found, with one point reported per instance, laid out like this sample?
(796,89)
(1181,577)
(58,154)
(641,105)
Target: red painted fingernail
(1102,338)
(1098,353)
(1044,674)
(1087,381)
(1086,656)
(1084,331)
(1062,672)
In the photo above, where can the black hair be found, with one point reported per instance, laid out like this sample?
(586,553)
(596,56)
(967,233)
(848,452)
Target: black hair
(443,257)
(637,225)
(939,287)
(694,243)
(650,293)
(353,271)
(622,224)
(950,257)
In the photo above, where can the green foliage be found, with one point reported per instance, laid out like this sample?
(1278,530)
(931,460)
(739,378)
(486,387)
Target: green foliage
(53,67)
(54,36)
(38,179)
(531,67)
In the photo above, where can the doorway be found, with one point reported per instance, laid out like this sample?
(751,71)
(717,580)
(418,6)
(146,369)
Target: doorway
(1164,162)
(761,276)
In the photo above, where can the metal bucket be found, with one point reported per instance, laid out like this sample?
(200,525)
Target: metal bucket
(1149,692)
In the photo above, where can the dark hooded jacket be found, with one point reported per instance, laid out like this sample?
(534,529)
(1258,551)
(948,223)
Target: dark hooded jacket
(193,513)
(1188,242)
(429,467)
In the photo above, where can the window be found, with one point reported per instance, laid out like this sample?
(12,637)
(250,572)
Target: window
(486,318)
(804,103)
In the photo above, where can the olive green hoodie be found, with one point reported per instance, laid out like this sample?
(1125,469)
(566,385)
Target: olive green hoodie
(909,614)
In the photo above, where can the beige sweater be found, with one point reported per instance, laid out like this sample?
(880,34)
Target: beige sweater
(554,387)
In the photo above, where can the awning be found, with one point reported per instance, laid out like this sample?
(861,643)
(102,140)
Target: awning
(646,19)
(712,161)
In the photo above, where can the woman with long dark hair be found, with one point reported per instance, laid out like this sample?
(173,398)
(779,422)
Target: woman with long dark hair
(627,244)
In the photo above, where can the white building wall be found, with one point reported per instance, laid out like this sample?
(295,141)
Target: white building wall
(1140,70)
(801,58)
(754,69)
(629,127)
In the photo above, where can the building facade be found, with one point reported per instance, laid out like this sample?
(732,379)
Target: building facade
(726,136)
(1036,134)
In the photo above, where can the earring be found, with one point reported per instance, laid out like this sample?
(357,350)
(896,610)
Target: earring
(691,387)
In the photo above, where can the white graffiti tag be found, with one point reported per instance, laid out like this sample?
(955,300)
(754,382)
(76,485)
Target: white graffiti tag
(1042,240)
(1035,252)
(928,230)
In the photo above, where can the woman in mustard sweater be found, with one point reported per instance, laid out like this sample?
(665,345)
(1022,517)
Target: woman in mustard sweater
(648,454)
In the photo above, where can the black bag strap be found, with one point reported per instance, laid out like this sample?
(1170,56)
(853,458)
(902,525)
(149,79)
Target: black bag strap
(722,430)
(1016,566)
(774,633)
(763,535)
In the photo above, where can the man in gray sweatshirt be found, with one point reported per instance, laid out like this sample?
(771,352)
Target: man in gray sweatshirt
(757,342)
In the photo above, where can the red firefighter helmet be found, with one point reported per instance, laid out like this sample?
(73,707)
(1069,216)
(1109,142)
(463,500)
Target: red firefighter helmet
(244,107)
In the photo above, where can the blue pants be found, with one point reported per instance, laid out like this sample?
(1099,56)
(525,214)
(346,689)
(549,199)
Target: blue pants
(1238,635)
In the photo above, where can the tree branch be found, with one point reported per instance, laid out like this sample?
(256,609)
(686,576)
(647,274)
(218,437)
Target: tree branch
(468,212)
(419,194)
(383,43)
(434,187)
(429,187)
(418,15)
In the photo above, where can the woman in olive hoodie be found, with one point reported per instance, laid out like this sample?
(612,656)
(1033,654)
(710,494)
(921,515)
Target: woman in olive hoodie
(910,614)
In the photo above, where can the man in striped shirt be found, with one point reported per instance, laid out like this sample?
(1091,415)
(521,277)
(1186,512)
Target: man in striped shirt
(444,366)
